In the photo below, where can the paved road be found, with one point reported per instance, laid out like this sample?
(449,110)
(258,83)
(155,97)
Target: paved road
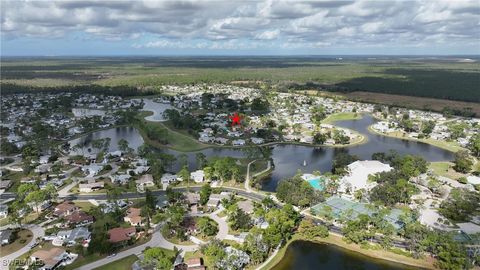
(37,232)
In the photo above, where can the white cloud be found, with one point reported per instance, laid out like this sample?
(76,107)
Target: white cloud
(247,24)
(268,35)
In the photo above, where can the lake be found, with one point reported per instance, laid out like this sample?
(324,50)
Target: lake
(157,109)
(115,134)
(304,255)
(288,158)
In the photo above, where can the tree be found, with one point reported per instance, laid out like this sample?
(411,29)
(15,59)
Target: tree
(205,192)
(201,160)
(256,246)
(207,226)
(297,191)
(462,162)
(460,205)
(239,220)
(340,162)
(36,197)
(474,144)
(340,138)
(320,138)
(158,257)
(184,174)
(427,127)
(214,250)
(150,200)
(309,230)
(123,145)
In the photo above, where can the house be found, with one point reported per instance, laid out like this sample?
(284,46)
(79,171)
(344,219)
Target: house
(198,176)
(215,199)
(220,140)
(5,184)
(145,181)
(121,179)
(238,142)
(5,237)
(79,218)
(133,217)
(43,168)
(3,210)
(246,206)
(89,187)
(257,140)
(167,179)
(117,235)
(192,198)
(92,169)
(195,264)
(71,237)
(65,208)
(358,176)
(50,258)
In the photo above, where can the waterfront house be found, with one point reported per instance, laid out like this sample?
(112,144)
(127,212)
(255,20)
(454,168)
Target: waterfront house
(198,176)
(357,177)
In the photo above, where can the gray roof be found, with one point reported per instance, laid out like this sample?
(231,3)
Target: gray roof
(5,235)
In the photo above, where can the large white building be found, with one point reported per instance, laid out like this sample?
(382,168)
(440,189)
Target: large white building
(357,177)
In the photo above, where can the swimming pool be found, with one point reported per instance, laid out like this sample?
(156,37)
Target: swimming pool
(316,183)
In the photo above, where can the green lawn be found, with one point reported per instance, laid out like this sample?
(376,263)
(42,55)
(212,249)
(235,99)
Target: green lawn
(23,238)
(85,206)
(341,117)
(122,264)
(444,169)
(176,140)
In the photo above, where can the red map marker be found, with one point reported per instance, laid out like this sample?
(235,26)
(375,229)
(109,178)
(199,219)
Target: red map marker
(235,119)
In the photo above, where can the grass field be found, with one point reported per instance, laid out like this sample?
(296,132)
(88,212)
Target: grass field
(445,169)
(341,117)
(176,140)
(122,264)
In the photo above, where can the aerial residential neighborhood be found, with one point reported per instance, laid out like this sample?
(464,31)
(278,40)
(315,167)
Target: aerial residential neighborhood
(230,135)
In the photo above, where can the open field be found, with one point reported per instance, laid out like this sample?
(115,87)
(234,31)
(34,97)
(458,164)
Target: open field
(445,78)
(341,117)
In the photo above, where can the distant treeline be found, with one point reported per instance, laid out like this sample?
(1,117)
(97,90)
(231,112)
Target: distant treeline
(123,91)
(441,84)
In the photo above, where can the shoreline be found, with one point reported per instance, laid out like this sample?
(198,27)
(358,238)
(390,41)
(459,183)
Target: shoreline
(450,148)
(337,240)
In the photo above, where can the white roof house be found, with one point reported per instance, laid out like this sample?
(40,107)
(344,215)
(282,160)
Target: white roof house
(358,175)
(198,176)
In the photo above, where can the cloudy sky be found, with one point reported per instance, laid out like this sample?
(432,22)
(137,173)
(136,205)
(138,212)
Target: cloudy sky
(239,27)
